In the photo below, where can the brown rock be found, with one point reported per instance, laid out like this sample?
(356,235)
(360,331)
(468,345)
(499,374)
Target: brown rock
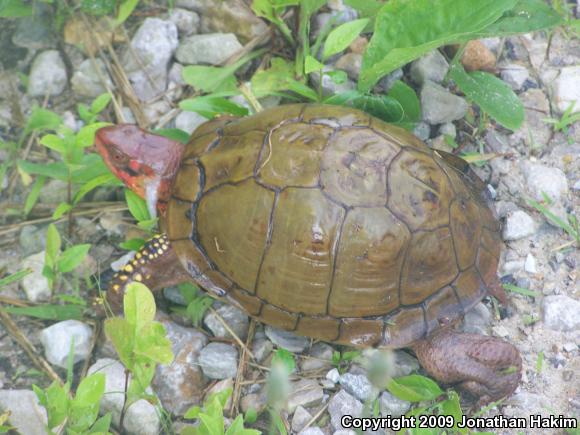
(102,34)
(477,57)
(231,16)
(351,64)
(359,45)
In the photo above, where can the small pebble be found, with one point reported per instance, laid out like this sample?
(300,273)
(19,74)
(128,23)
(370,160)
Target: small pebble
(219,361)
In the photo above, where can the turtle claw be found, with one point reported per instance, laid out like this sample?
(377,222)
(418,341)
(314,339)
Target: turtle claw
(487,368)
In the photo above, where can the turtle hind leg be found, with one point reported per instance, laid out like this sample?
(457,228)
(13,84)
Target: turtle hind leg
(487,368)
(155,265)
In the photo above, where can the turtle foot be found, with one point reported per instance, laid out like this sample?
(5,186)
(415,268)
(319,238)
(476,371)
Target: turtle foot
(487,368)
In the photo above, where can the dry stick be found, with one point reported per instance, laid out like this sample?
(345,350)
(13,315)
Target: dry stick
(27,346)
(241,369)
(316,416)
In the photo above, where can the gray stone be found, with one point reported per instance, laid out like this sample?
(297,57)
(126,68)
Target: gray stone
(300,418)
(544,179)
(359,386)
(439,105)
(189,121)
(535,131)
(35,32)
(35,285)
(236,319)
(261,348)
(530,402)
(343,404)
(530,265)
(576,185)
(219,361)
(431,67)
(229,16)
(561,313)
(175,74)
(329,86)
(187,22)
(54,192)
(31,239)
(287,339)
(404,364)
(319,21)
(58,338)
(448,129)
(515,75)
(209,49)
(350,63)
(333,375)
(566,88)
(87,80)
(477,320)
(27,416)
(306,393)
(181,384)
(321,357)
(47,75)
(173,294)
(141,417)
(147,61)
(392,406)
(518,224)
(256,401)
(313,430)
(422,130)
(387,81)
(6,117)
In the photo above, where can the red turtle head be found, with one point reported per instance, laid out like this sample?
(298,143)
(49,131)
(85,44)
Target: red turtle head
(145,162)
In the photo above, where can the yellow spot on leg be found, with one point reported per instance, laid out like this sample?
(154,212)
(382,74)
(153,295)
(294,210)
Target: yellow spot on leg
(128,268)
(138,277)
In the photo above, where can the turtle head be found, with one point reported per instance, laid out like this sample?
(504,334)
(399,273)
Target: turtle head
(145,162)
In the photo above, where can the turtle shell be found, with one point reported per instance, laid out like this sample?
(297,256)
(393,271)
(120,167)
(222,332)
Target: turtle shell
(328,222)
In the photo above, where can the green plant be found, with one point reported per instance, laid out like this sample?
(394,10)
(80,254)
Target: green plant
(341,360)
(198,302)
(75,415)
(568,118)
(522,291)
(140,342)
(211,418)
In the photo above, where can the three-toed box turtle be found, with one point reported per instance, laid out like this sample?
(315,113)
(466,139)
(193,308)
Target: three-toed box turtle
(328,222)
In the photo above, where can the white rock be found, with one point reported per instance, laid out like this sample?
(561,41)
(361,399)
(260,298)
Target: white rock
(342,404)
(146,62)
(237,320)
(433,66)
(530,264)
(500,331)
(35,285)
(544,179)
(300,418)
(439,105)
(47,75)
(359,386)
(333,375)
(321,357)
(141,417)
(286,339)
(566,88)
(518,224)
(26,414)
(87,80)
(209,49)
(515,75)
(313,430)
(189,121)
(187,22)
(306,392)
(561,313)
(393,406)
(58,338)
(219,361)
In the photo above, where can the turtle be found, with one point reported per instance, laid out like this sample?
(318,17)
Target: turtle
(328,222)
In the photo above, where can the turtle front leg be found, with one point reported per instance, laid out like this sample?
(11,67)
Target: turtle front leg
(488,368)
(156,265)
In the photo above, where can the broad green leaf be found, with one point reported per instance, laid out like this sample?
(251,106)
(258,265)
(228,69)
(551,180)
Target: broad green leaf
(102,425)
(279,78)
(17,276)
(237,428)
(309,7)
(196,309)
(101,180)
(97,7)
(139,305)
(452,407)
(61,210)
(90,390)
(211,106)
(341,37)
(366,8)
(15,9)
(86,135)
(122,335)
(382,106)
(175,134)
(192,412)
(100,102)
(53,243)
(56,404)
(137,206)
(494,96)
(49,312)
(125,10)
(414,388)
(210,78)
(56,170)
(311,65)
(152,343)
(72,257)
(33,195)
(527,16)
(42,119)
(53,142)
(132,244)
(408,100)
(407,29)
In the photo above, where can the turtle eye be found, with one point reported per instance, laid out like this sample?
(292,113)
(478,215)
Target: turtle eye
(118,157)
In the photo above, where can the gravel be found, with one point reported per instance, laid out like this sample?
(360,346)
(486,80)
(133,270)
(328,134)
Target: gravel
(518,224)
(219,361)
(287,340)
(47,75)
(208,49)
(431,67)
(86,80)
(514,75)
(438,105)
(237,320)
(343,404)
(58,338)
(566,88)
(561,313)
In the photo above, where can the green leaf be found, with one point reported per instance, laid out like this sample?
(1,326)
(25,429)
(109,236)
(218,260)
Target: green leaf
(17,276)
(210,78)
(382,106)
(408,100)
(407,29)
(196,308)
(42,119)
(60,210)
(101,102)
(139,305)
(125,10)
(341,37)
(53,244)
(278,78)
(49,312)
(102,425)
(237,428)
(522,291)
(285,358)
(366,8)
(494,96)
(414,388)
(97,7)
(58,171)
(175,134)
(101,180)
(527,16)
(15,9)
(152,343)
(86,135)
(90,390)
(210,106)
(132,244)
(122,335)
(33,195)
(311,65)
(72,257)
(85,113)
(53,142)
(137,206)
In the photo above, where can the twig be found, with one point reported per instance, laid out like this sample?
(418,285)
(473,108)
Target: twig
(241,369)
(316,416)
